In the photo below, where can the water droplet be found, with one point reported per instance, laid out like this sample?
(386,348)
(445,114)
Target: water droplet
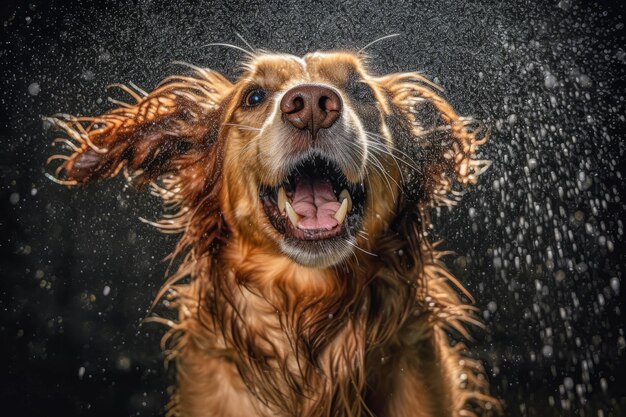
(34,89)
(550,81)
(547,351)
(615,285)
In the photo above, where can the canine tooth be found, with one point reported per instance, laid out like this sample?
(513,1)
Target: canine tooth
(343,210)
(345,194)
(291,213)
(282,199)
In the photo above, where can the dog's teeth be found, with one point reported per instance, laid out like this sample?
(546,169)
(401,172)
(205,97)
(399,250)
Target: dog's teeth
(345,194)
(343,210)
(282,199)
(291,213)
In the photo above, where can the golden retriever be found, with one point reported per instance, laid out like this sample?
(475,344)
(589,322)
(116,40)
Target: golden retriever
(301,192)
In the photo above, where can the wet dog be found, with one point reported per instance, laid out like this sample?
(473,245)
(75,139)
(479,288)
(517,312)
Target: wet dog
(301,193)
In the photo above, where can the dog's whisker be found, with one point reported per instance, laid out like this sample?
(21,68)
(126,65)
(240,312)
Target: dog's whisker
(356,258)
(378,168)
(393,157)
(382,38)
(382,149)
(372,135)
(377,165)
(382,172)
(359,248)
(228,45)
(396,162)
(252,49)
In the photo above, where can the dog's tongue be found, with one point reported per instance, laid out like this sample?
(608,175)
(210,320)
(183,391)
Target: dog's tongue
(315,202)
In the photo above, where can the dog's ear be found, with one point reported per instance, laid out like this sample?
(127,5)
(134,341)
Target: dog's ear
(161,133)
(439,145)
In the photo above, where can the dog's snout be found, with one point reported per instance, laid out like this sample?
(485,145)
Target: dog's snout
(311,107)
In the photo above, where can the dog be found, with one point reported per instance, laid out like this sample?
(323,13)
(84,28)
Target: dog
(307,285)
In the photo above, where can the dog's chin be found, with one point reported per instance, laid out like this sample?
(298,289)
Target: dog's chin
(318,254)
(316,213)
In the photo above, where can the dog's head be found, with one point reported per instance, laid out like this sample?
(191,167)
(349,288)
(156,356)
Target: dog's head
(312,158)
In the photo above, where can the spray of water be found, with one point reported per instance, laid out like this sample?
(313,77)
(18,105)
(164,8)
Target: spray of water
(539,241)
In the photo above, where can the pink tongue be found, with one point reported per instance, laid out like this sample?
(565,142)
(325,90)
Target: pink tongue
(315,202)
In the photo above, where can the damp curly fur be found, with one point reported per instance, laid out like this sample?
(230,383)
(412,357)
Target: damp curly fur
(257,334)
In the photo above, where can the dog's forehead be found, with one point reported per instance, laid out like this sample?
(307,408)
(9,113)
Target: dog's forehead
(335,66)
(272,71)
(278,71)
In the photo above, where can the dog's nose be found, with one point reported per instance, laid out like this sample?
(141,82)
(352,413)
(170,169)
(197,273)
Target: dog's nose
(311,106)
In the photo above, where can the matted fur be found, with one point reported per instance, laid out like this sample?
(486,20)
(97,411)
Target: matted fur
(257,333)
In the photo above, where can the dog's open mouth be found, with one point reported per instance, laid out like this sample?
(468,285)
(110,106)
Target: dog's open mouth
(315,202)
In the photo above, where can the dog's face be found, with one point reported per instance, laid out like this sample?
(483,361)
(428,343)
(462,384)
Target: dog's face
(312,158)
(308,165)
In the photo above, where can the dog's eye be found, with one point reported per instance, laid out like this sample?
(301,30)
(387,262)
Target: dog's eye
(254,97)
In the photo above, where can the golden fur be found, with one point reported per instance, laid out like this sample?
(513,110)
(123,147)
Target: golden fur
(259,334)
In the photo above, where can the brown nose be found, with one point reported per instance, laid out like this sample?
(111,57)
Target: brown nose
(311,106)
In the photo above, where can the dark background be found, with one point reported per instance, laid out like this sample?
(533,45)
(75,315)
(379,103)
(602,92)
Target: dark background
(539,242)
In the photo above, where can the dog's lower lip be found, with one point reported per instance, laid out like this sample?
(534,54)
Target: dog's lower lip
(315,234)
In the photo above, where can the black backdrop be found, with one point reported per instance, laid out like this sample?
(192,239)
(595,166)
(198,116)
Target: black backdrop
(539,242)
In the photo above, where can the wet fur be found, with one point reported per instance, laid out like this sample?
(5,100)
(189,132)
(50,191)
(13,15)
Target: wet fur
(257,333)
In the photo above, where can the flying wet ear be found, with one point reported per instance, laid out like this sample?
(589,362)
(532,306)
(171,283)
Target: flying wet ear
(441,145)
(162,132)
